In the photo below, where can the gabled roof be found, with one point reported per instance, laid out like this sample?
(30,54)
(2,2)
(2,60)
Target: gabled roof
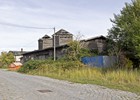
(62,32)
(40,39)
(50,48)
(46,36)
(94,38)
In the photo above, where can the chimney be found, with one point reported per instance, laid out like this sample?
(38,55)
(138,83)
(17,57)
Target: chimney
(21,49)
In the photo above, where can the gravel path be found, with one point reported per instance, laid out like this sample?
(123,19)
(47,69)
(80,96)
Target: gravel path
(16,86)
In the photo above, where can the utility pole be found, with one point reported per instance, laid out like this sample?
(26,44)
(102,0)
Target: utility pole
(22,26)
(54,45)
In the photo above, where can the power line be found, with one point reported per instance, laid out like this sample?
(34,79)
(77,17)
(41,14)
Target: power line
(21,26)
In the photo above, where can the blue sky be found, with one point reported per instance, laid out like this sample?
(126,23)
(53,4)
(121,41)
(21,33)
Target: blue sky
(89,17)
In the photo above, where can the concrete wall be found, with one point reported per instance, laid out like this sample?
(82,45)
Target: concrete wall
(97,44)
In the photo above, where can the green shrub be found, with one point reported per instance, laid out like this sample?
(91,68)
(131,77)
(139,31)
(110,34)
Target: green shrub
(31,65)
(37,64)
(125,79)
(6,59)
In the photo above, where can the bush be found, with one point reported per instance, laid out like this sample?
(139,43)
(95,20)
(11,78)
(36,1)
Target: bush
(77,72)
(31,65)
(6,59)
(37,64)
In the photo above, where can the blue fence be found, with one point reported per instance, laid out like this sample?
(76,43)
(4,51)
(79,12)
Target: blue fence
(100,61)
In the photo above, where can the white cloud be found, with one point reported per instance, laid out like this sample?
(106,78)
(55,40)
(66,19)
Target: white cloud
(89,17)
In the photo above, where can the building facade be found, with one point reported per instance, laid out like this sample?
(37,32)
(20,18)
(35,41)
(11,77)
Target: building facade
(45,42)
(95,43)
(46,46)
(62,38)
(18,55)
(45,53)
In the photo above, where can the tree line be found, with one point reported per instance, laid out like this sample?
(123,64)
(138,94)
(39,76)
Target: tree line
(6,59)
(124,36)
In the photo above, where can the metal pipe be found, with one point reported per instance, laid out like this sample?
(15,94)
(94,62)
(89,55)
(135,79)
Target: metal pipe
(54,45)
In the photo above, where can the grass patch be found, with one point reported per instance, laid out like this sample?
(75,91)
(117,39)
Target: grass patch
(75,71)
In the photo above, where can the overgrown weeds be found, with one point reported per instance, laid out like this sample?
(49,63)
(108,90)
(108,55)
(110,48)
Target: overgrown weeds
(75,71)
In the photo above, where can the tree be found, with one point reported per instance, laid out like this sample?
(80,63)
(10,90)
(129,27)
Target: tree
(76,49)
(126,31)
(6,59)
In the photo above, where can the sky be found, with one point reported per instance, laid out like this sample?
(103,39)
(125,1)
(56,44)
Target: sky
(89,18)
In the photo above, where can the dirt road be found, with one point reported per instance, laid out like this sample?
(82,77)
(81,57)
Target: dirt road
(16,86)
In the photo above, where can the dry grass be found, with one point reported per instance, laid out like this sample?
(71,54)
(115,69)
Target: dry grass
(127,80)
